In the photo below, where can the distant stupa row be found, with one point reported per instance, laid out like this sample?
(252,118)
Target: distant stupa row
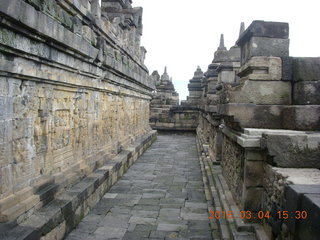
(165,93)
(223,69)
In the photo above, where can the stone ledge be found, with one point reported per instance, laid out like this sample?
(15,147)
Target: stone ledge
(218,194)
(61,37)
(68,208)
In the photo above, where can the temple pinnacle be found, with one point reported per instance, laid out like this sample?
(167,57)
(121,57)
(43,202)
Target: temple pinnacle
(165,69)
(221,46)
(242,28)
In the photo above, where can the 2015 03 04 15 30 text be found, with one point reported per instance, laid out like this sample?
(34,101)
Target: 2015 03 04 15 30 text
(283,214)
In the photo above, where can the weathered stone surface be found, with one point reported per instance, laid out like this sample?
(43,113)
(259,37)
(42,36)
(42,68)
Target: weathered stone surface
(241,122)
(232,165)
(156,181)
(293,150)
(262,68)
(306,92)
(73,205)
(260,92)
(293,202)
(253,198)
(72,104)
(265,29)
(253,173)
(308,228)
(306,69)
(301,117)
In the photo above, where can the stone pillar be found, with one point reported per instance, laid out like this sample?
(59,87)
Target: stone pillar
(253,179)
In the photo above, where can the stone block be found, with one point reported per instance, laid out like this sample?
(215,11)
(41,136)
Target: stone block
(253,173)
(6,180)
(309,227)
(57,233)
(255,155)
(299,150)
(252,115)
(227,76)
(293,195)
(260,92)
(251,199)
(11,8)
(306,93)
(264,39)
(303,117)
(306,69)
(28,15)
(287,68)
(299,175)
(265,29)
(262,68)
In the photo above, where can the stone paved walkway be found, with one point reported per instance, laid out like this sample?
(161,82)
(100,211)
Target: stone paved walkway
(160,197)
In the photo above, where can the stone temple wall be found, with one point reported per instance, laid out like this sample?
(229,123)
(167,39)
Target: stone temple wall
(261,129)
(74,92)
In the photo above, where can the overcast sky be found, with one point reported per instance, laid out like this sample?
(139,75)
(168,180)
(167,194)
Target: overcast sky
(182,34)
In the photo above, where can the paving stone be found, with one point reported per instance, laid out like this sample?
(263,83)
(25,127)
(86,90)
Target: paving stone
(149,201)
(110,195)
(143,227)
(120,221)
(87,227)
(170,212)
(153,195)
(142,220)
(160,197)
(110,232)
(198,224)
(194,210)
(164,234)
(171,220)
(193,216)
(136,235)
(76,235)
(195,234)
(189,204)
(171,227)
(121,210)
(146,207)
(143,213)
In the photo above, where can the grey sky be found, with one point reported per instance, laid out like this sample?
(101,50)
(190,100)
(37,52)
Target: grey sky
(182,34)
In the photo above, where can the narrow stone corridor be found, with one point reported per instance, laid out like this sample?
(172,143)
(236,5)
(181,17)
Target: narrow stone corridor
(160,197)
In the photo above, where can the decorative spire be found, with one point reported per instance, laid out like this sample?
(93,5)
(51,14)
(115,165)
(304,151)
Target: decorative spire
(242,28)
(221,46)
(165,75)
(198,73)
